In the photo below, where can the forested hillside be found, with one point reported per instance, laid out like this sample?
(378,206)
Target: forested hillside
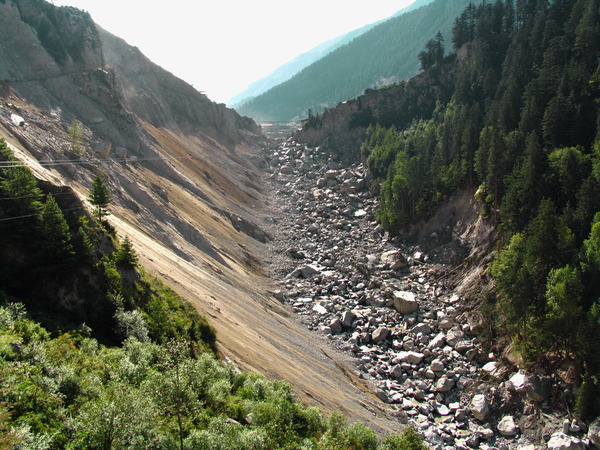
(291,68)
(521,129)
(384,55)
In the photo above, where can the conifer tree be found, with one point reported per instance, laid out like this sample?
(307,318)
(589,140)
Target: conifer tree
(587,41)
(100,197)
(126,257)
(550,245)
(556,121)
(459,32)
(18,183)
(563,295)
(55,232)
(513,275)
(525,187)
(76,138)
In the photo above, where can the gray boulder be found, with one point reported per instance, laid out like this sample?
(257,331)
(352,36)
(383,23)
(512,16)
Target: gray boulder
(422,328)
(437,365)
(308,271)
(453,336)
(382,395)
(405,302)
(396,372)
(538,388)
(594,433)
(380,334)
(444,384)
(480,407)
(562,441)
(336,326)
(437,341)
(347,318)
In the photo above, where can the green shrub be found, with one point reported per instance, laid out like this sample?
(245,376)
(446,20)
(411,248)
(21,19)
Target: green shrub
(131,324)
(30,331)
(362,435)
(409,440)
(588,401)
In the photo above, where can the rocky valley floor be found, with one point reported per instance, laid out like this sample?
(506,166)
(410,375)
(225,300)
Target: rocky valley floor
(393,313)
(357,321)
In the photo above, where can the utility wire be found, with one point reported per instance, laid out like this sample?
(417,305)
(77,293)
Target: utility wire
(19,163)
(35,215)
(13,164)
(35,196)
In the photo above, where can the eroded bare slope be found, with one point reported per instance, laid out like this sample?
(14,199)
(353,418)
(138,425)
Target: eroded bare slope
(180,173)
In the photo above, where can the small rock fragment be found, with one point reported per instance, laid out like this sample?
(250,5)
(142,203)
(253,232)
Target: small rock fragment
(507,426)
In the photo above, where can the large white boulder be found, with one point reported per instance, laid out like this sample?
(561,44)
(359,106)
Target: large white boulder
(395,259)
(518,381)
(562,441)
(507,426)
(480,407)
(405,302)
(411,357)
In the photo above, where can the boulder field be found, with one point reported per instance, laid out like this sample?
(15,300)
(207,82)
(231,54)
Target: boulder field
(395,311)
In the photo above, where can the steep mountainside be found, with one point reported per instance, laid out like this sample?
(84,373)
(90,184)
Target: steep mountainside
(284,72)
(291,68)
(384,55)
(179,171)
(343,128)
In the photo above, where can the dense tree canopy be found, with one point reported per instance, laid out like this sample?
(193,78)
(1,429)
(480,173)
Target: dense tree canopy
(522,125)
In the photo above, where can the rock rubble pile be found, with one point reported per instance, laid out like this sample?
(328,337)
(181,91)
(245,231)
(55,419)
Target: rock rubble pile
(391,307)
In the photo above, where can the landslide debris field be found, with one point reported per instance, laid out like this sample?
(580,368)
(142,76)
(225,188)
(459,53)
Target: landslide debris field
(278,247)
(402,316)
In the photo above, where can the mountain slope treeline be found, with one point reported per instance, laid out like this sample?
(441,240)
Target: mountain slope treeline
(291,68)
(383,55)
(521,128)
(96,354)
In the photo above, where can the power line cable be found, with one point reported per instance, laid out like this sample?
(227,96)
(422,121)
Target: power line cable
(36,215)
(19,163)
(13,164)
(35,196)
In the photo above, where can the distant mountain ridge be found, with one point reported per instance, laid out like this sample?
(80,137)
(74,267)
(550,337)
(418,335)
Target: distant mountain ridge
(291,68)
(385,54)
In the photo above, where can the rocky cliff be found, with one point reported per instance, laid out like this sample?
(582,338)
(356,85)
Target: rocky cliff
(59,58)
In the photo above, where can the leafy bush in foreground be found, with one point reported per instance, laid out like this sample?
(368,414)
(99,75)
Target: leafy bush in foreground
(72,393)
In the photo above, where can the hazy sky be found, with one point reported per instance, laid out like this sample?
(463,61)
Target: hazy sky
(222,46)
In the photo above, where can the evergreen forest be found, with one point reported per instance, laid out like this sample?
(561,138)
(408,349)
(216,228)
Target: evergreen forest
(383,55)
(521,131)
